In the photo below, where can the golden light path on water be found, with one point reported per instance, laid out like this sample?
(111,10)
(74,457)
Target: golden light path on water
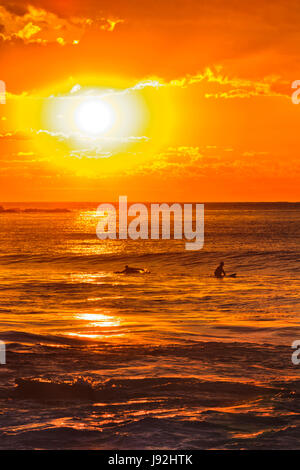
(100,322)
(99,326)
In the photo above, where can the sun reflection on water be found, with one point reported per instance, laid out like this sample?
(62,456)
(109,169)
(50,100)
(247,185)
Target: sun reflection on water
(98,319)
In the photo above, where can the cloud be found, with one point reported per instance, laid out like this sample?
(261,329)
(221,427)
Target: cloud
(79,91)
(234,87)
(211,79)
(92,154)
(75,88)
(110,25)
(28,31)
(96,139)
(16,135)
(33,25)
(172,161)
(209,161)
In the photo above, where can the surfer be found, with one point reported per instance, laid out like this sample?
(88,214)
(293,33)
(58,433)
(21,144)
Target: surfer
(130,270)
(219,272)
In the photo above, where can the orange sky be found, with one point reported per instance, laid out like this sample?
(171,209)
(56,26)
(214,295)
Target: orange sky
(199,95)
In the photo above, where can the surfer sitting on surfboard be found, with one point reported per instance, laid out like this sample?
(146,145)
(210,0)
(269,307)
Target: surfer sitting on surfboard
(220,273)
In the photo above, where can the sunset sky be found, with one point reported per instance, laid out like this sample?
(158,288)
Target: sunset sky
(157,100)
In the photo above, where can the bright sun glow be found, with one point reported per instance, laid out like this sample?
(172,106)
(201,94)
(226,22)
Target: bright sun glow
(92,129)
(94,117)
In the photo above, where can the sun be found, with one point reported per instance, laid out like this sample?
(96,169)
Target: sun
(94,116)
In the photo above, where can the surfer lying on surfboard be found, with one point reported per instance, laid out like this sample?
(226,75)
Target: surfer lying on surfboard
(129,270)
(220,273)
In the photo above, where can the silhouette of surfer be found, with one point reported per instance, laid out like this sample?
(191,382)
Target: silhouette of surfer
(220,273)
(131,270)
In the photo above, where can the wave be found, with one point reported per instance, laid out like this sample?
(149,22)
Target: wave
(196,257)
(146,412)
(190,390)
(285,261)
(22,337)
(210,431)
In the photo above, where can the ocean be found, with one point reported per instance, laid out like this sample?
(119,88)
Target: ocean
(175,359)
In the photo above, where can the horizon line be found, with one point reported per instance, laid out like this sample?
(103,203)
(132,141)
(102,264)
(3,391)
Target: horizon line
(153,201)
